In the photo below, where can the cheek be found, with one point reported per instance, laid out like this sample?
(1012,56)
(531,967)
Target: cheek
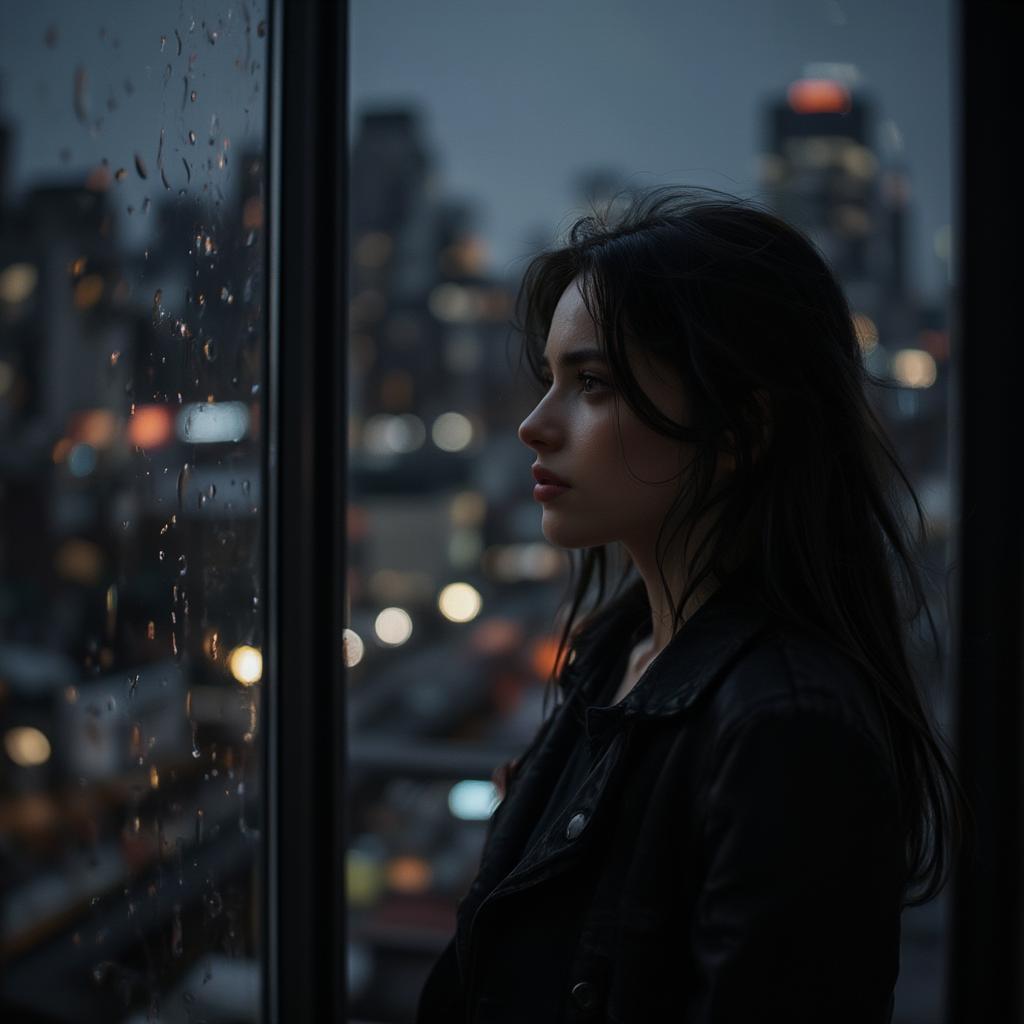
(651,456)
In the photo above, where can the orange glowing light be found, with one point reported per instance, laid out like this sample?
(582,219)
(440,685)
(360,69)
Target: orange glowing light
(819,96)
(88,291)
(95,427)
(542,658)
(151,426)
(252,213)
(409,874)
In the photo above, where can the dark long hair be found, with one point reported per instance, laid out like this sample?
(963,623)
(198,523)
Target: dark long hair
(748,311)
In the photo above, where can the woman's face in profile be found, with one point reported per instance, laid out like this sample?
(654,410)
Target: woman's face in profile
(573,432)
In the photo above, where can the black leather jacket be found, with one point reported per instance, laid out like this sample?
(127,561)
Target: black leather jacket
(735,855)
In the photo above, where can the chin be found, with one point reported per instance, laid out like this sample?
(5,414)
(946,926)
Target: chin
(563,535)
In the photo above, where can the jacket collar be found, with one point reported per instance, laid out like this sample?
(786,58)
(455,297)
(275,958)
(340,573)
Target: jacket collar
(692,660)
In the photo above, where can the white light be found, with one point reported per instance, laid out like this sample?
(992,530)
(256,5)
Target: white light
(455,303)
(403,433)
(473,799)
(452,431)
(393,626)
(17,282)
(246,664)
(914,368)
(459,602)
(26,746)
(384,434)
(212,423)
(353,647)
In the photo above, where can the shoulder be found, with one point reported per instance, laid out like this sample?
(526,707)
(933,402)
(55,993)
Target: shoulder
(787,674)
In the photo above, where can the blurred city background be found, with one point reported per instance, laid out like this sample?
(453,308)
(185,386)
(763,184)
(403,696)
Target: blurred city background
(133,334)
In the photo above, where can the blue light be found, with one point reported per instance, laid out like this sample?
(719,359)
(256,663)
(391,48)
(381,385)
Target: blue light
(81,460)
(473,800)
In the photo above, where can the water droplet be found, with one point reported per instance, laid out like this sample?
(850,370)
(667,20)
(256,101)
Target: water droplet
(193,95)
(163,43)
(101,970)
(183,564)
(114,356)
(161,555)
(261,29)
(140,166)
(178,37)
(176,946)
(151,630)
(192,138)
(209,350)
(145,205)
(183,478)
(120,174)
(246,486)
(211,490)
(81,100)
(188,171)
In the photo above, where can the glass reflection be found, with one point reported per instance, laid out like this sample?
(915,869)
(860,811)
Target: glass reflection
(132,328)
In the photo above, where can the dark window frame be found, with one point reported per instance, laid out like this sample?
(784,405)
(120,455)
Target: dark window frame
(985,980)
(305,466)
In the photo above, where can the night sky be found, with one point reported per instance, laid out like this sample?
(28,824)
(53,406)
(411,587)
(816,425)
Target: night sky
(518,99)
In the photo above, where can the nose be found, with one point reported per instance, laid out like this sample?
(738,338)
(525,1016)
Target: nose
(537,429)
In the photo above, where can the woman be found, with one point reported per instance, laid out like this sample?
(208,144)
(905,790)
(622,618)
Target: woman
(742,788)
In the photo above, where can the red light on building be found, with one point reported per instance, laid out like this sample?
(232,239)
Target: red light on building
(819,96)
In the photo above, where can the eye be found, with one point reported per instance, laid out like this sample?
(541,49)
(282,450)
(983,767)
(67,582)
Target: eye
(586,378)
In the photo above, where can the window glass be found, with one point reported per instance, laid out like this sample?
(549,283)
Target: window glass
(132,327)
(478,132)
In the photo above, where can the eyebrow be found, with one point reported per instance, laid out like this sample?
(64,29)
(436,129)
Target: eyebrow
(580,355)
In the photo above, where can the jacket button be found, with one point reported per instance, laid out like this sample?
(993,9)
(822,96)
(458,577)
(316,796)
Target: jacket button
(584,996)
(575,826)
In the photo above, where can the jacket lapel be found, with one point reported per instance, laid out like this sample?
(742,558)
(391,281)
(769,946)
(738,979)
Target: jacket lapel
(696,657)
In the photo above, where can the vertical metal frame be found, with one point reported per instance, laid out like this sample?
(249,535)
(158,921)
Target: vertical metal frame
(986,971)
(306,470)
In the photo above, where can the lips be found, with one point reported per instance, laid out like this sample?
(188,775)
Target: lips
(545,476)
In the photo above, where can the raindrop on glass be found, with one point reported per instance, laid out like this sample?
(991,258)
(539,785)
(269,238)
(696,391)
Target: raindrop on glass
(176,947)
